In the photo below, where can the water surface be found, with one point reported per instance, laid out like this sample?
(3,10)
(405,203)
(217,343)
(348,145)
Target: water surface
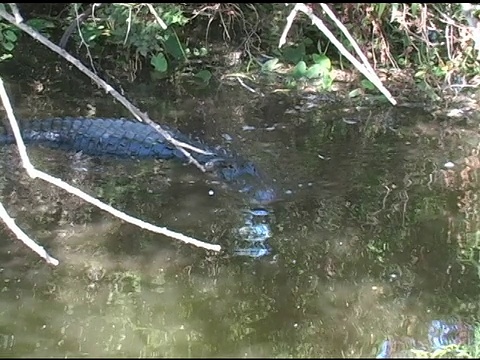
(366,238)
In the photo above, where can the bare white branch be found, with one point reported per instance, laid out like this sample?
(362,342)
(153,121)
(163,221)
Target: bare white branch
(16,13)
(34,173)
(366,71)
(157,17)
(24,237)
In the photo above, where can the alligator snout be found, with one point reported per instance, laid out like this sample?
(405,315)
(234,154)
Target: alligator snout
(246,178)
(264,196)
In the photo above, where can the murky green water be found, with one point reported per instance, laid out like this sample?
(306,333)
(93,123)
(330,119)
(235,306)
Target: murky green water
(365,240)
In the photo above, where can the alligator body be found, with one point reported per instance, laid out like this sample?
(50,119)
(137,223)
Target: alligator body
(130,138)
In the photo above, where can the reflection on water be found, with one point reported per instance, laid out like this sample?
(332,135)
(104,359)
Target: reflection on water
(362,245)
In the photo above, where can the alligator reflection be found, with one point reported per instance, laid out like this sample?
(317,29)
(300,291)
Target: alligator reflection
(254,234)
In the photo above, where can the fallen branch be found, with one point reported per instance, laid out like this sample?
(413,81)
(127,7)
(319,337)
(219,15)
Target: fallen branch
(108,88)
(370,75)
(15,12)
(24,237)
(34,173)
(157,17)
(349,38)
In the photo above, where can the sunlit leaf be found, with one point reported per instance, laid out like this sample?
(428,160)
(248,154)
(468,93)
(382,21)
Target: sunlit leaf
(322,60)
(381,9)
(299,70)
(8,45)
(270,65)
(367,84)
(314,71)
(394,12)
(10,36)
(159,62)
(355,93)
(204,75)
(5,57)
(327,81)
(415,8)
(420,73)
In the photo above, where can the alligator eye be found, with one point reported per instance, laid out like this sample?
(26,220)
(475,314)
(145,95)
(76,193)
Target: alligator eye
(210,165)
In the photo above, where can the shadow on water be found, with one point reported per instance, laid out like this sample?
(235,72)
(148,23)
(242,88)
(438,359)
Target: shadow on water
(364,238)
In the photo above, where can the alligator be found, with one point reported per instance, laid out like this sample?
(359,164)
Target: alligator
(441,333)
(130,138)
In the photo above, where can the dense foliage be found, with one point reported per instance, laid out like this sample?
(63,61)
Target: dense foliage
(434,42)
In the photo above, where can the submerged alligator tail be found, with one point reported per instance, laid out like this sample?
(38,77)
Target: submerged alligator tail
(130,138)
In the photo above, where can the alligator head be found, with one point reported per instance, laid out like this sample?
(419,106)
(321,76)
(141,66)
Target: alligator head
(245,177)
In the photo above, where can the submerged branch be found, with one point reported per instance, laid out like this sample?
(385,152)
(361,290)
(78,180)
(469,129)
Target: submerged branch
(24,237)
(370,75)
(108,88)
(34,173)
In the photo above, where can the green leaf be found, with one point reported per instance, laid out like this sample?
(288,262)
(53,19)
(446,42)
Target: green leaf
(367,84)
(10,36)
(322,60)
(314,71)
(270,65)
(381,9)
(204,75)
(8,45)
(294,54)
(174,17)
(420,74)
(159,62)
(299,70)
(5,57)
(415,8)
(327,81)
(172,45)
(307,42)
(354,93)
(40,24)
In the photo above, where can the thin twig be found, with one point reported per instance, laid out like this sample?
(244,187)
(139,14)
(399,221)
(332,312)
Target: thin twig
(76,24)
(24,237)
(15,12)
(349,37)
(290,18)
(89,54)
(34,173)
(157,17)
(246,86)
(321,26)
(108,89)
(129,25)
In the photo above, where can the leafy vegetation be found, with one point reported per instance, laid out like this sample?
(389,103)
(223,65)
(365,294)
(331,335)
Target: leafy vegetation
(431,40)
